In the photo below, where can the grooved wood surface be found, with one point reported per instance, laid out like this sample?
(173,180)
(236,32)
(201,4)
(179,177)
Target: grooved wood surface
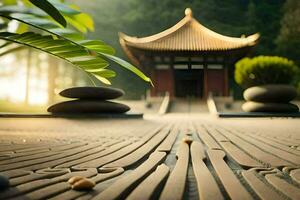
(176,156)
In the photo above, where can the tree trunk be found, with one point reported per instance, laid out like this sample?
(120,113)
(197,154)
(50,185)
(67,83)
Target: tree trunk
(52,72)
(28,66)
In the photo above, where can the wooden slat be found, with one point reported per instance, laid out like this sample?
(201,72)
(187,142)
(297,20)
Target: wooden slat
(174,188)
(73,194)
(69,146)
(39,159)
(13,155)
(278,145)
(141,152)
(15,173)
(92,154)
(48,191)
(230,182)
(91,161)
(38,175)
(206,138)
(147,188)
(240,156)
(275,151)
(99,188)
(256,152)
(40,184)
(289,141)
(260,188)
(123,186)
(69,156)
(55,147)
(280,184)
(167,144)
(207,186)
(37,163)
(216,134)
(26,146)
(279,141)
(295,174)
(28,157)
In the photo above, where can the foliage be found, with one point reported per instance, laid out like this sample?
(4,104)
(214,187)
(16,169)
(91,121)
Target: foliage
(265,70)
(93,56)
(288,40)
(146,17)
(51,10)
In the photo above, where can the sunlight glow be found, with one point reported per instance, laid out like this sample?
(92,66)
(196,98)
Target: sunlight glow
(34,82)
(13,81)
(12,87)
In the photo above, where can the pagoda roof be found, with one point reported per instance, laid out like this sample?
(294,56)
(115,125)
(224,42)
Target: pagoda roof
(188,35)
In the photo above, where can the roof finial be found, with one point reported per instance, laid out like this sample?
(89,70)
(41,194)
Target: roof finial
(188,12)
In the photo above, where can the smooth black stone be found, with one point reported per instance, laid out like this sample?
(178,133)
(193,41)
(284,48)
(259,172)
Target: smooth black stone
(88,106)
(271,93)
(4,182)
(251,106)
(100,93)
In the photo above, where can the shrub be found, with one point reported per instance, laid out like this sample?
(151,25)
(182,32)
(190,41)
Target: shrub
(265,70)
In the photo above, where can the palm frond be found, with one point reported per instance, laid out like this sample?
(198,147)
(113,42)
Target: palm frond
(70,44)
(53,28)
(58,47)
(50,10)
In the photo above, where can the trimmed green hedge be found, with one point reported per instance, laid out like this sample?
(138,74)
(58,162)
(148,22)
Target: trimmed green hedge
(265,70)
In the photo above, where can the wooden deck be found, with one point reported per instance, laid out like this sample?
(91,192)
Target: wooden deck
(172,157)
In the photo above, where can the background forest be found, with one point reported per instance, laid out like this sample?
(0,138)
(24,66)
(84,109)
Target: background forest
(31,78)
(278,22)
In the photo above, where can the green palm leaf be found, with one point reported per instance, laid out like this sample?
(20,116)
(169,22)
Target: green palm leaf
(59,48)
(63,8)
(50,10)
(54,29)
(128,66)
(76,46)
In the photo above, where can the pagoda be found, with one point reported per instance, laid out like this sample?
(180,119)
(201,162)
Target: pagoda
(188,59)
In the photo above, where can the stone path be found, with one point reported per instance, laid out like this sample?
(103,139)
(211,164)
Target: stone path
(170,157)
(188,105)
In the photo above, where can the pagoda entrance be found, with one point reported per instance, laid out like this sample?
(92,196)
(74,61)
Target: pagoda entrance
(188,83)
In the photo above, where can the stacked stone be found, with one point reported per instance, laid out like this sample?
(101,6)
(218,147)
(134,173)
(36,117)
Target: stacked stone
(270,98)
(90,100)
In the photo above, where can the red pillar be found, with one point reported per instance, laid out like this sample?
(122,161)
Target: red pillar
(205,82)
(226,90)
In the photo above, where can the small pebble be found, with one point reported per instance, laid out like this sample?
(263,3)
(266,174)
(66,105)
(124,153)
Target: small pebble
(74,179)
(187,140)
(4,182)
(83,184)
